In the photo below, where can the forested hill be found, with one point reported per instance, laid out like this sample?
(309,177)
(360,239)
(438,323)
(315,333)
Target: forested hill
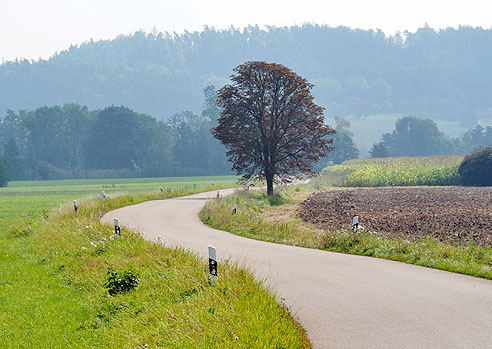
(444,75)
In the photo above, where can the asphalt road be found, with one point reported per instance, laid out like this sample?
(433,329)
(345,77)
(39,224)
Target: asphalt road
(341,300)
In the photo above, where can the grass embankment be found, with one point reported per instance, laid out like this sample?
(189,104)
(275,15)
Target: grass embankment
(54,291)
(275,220)
(400,171)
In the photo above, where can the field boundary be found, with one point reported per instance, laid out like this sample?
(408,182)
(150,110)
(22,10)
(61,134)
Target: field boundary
(258,219)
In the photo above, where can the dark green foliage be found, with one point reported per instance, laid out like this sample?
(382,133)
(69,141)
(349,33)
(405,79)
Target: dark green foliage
(379,150)
(276,199)
(476,168)
(55,134)
(119,138)
(13,155)
(73,142)
(121,282)
(443,73)
(413,136)
(477,137)
(192,136)
(5,171)
(344,145)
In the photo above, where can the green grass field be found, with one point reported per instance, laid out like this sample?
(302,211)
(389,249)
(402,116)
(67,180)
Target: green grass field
(30,199)
(53,273)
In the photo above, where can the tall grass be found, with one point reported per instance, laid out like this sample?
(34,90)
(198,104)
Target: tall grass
(401,171)
(53,278)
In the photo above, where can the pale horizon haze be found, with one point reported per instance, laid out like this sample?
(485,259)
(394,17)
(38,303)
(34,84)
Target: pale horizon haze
(38,29)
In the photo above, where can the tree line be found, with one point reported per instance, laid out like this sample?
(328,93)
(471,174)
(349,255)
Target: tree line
(71,141)
(415,136)
(441,75)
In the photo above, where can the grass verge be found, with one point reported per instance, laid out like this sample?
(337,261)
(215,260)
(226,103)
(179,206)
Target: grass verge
(259,217)
(54,288)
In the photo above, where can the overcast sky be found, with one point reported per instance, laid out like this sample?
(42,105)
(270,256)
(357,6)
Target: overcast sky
(39,28)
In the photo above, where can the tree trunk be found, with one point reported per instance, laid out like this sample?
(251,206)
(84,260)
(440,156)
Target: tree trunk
(269,180)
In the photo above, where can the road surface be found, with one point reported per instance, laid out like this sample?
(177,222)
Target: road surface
(341,300)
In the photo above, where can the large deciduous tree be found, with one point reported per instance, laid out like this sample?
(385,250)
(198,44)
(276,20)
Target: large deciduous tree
(270,124)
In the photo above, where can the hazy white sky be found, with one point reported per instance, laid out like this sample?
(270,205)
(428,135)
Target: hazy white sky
(39,28)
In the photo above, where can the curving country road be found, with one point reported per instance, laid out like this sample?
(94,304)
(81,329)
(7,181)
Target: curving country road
(341,300)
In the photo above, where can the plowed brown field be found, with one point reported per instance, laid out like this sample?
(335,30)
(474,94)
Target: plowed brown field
(450,214)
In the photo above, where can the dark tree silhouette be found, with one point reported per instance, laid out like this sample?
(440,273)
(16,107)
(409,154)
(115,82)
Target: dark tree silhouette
(270,124)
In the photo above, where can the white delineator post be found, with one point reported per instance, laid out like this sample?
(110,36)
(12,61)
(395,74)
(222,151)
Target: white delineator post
(161,188)
(218,194)
(234,209)
(75,208)
(355,223)
(103,194)
(212,264)
(117,229)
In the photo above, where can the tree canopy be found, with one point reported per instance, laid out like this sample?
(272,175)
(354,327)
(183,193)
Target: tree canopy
(269,122)
(343,143)
(437,74)
(70,141)
(477,137)
(414,136)
(5,171)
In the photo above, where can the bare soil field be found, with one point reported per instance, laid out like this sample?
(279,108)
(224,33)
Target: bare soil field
(450,214)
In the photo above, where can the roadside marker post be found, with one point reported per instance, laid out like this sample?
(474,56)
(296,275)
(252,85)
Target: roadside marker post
(234,209)
(161,188)
(117,226)
(355,223)
(218,194)
(75,208)
(103,194)
(212,264)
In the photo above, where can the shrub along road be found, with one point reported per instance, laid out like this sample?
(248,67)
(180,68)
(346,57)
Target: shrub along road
(341,300)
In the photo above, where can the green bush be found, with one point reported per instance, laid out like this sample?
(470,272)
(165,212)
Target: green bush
(476,168)
(276,199)
(121,282)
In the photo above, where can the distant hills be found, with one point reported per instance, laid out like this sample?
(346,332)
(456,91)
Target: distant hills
(443,75)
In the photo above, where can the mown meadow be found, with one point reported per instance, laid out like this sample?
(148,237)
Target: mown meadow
(58,286)
(400,171)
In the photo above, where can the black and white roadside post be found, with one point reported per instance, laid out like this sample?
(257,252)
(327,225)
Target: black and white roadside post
(75,207)
(103,194)
(355,223)
(248,185)
(212,264)
(234,209)
(161,188)
(218,194)
(117,229)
